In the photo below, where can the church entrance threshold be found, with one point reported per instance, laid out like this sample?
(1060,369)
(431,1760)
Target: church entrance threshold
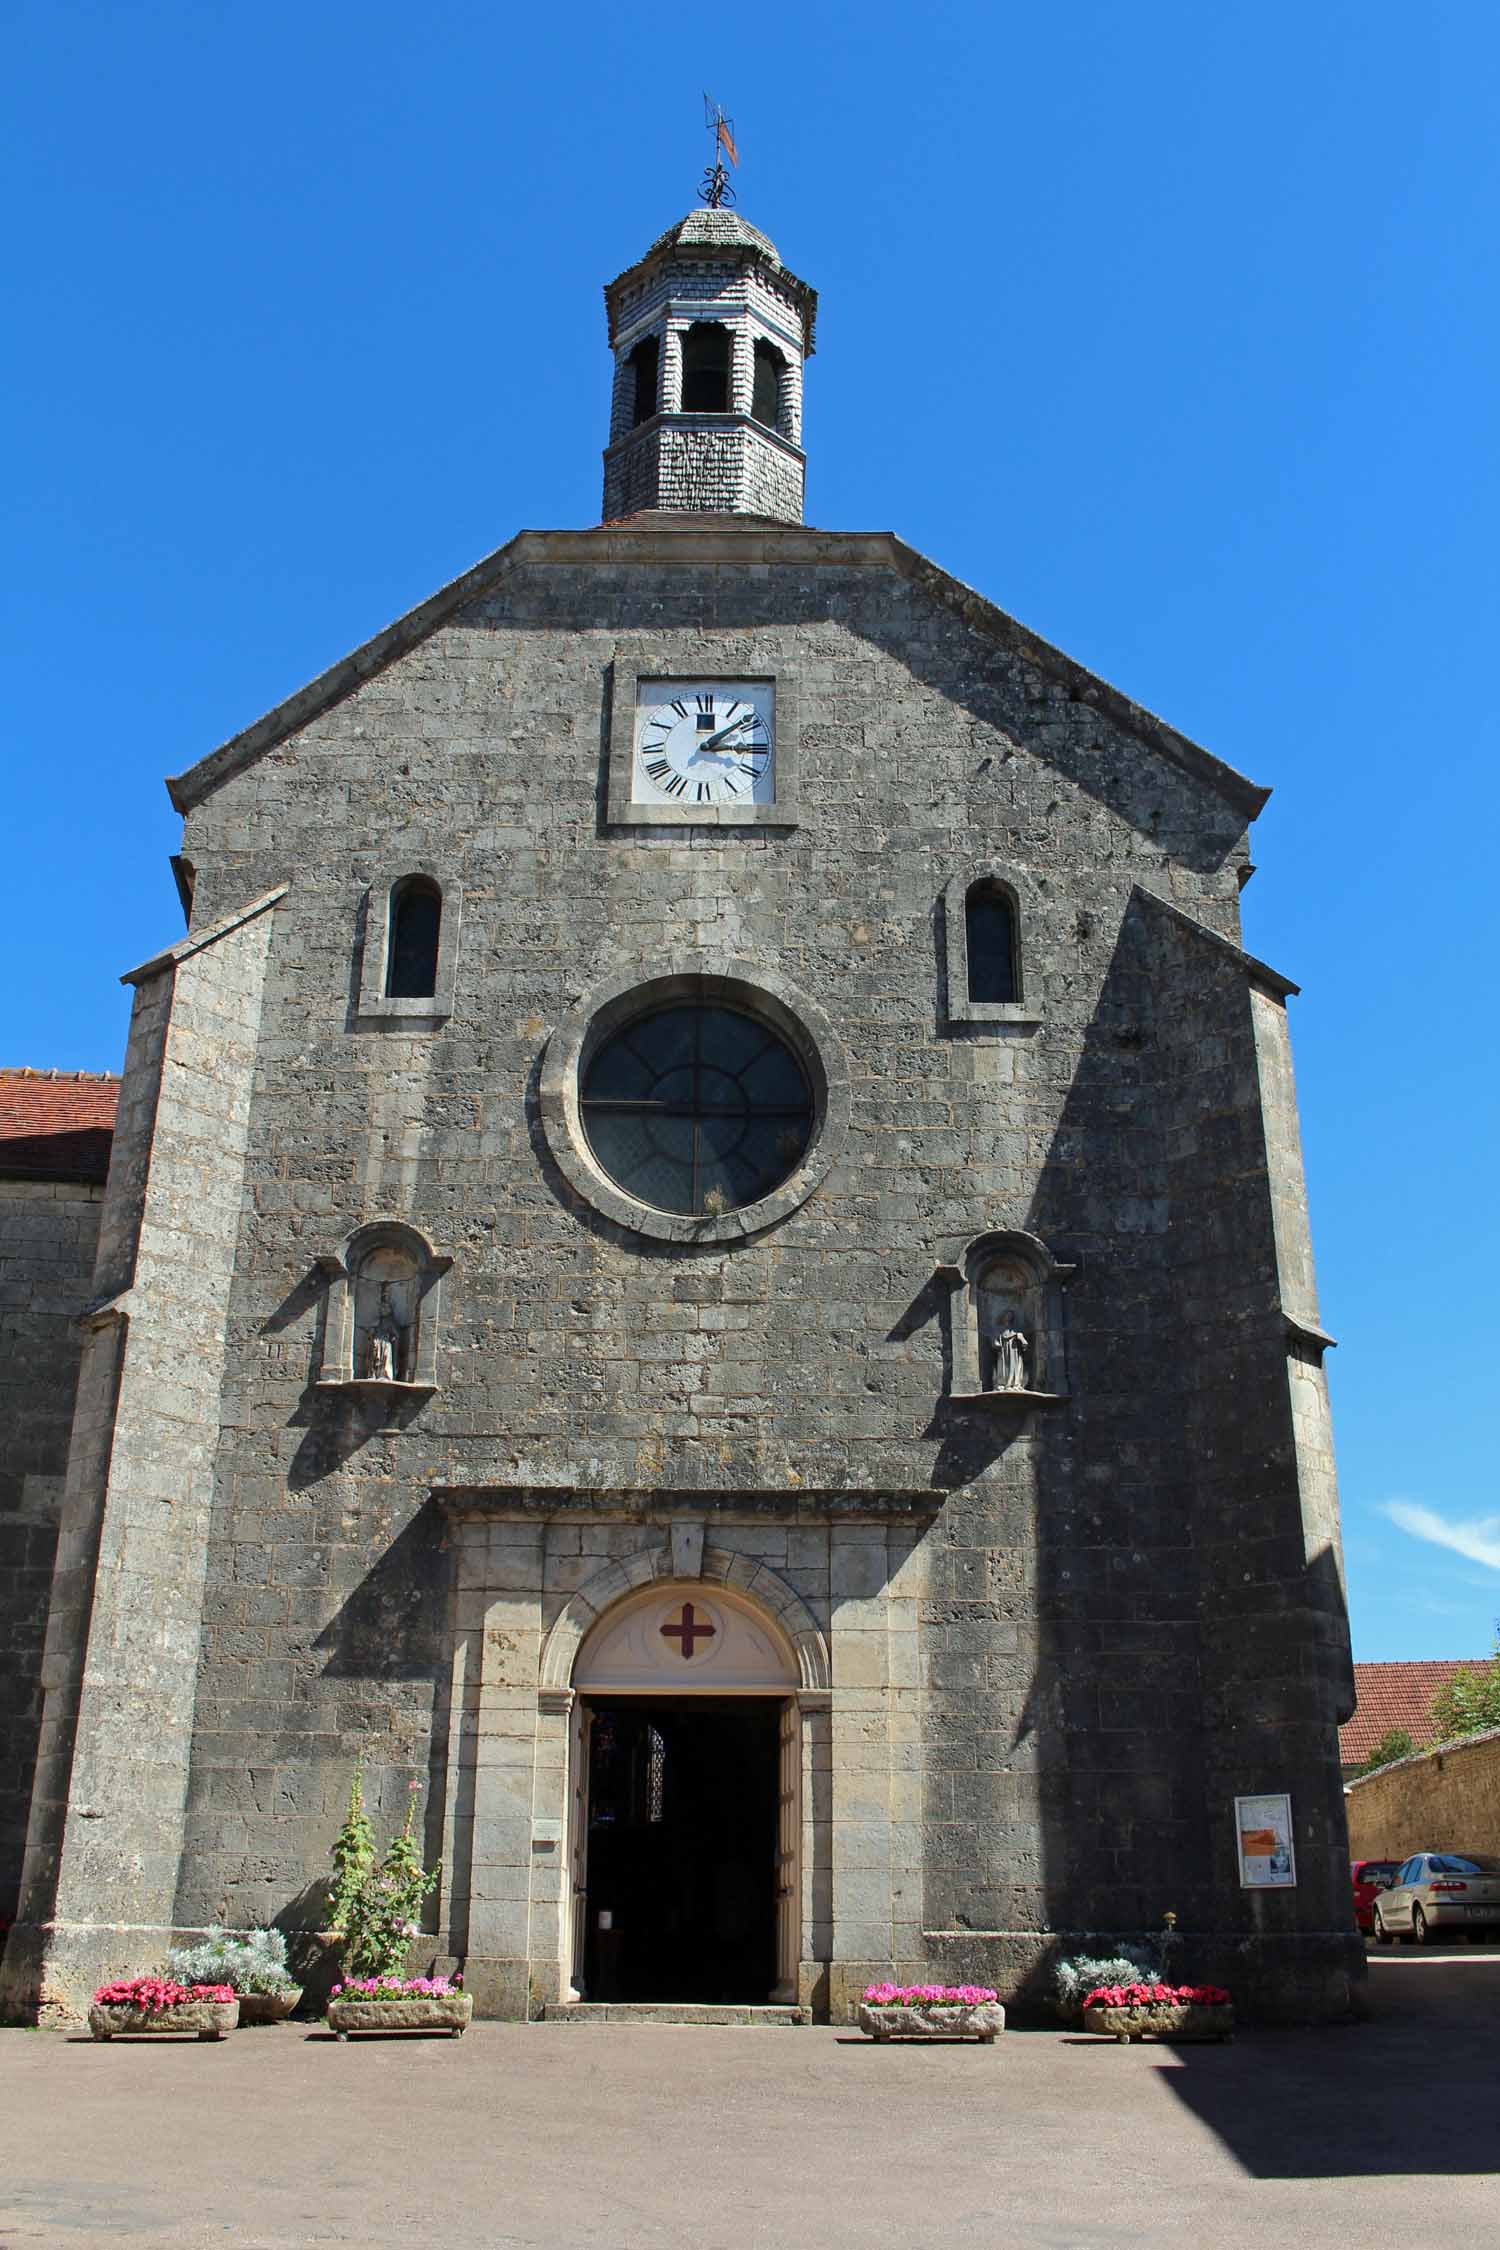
(682,1857)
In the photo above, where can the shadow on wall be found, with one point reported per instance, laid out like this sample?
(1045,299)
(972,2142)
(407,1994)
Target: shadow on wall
(1060,718)
(338,1424)
(395,1626)
(1131,1631)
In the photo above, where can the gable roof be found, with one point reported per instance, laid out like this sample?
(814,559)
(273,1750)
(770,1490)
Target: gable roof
(1395,1695)
(694,539)
(56,1124)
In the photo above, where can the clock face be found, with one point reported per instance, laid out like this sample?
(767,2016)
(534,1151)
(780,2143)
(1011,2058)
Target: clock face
(705,742)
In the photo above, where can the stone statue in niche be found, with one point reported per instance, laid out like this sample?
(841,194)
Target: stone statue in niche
(1005,1328)
(385,1346)
(385,1317)
(1008,1362)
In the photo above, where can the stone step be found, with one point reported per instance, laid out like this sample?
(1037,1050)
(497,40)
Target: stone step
(672,2011)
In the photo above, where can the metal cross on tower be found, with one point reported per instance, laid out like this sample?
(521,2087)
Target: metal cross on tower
(716,189)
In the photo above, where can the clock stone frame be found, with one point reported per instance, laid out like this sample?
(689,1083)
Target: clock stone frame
(708,666)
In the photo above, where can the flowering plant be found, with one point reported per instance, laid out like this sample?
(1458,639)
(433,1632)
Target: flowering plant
(1157,1996)
(928,1995)
(398,1988)
(353,1856)
(156,1993)
(1123,1963)
(377,1910)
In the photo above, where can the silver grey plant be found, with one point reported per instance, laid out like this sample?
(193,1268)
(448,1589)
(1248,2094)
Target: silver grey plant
(247,1960)
(1131,1964)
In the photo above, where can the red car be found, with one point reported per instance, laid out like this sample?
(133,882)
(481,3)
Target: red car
(1370,1877)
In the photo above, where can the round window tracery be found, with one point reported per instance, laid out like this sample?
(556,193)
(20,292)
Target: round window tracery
(696,1109)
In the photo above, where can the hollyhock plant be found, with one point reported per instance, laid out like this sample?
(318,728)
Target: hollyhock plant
(376,1908)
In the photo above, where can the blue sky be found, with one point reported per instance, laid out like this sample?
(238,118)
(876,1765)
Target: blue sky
(1171,329)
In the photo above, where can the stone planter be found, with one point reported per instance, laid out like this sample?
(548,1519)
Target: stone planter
(1184,2020)
(268,2007)
(450,2012)
(936,2022)
(205,2019)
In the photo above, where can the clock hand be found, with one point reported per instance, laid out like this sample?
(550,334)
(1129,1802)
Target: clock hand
(723,733)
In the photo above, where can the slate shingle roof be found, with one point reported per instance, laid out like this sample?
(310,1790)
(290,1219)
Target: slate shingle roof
(1395,1695)
(56,1124)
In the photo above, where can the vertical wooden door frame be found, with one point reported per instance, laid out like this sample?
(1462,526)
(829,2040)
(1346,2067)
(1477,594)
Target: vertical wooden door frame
(788,1851)
(575,1917)
(788,1860)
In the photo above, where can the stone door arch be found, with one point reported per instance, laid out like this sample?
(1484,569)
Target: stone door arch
(688,1561)
(680,1637)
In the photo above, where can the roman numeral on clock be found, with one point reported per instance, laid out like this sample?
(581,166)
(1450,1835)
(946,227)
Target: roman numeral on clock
(657,768)
(703,792)
(675,786)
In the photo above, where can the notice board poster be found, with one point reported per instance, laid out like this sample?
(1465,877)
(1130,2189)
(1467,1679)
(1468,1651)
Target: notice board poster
(1263,1827)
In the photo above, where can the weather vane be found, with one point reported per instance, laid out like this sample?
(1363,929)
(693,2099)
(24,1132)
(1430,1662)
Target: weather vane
(716,189)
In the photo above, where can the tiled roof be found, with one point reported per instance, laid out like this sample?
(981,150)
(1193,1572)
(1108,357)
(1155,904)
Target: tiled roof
(56,1124)
(1395,1695)
(715,230)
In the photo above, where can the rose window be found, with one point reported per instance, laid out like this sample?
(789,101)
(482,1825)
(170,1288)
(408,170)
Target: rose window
(697,1110)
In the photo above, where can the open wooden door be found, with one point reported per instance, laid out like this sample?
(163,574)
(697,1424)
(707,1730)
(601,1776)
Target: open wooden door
(788,1850)
(577,1905)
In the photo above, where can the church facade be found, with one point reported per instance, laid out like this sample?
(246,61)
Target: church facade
(705,1260)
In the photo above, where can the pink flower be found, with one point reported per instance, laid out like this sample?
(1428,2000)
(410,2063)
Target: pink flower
(1157,1996)
(398,1988)
(929,1995)
(154,1994)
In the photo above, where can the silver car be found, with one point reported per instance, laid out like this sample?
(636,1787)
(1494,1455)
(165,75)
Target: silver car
(1439,1891)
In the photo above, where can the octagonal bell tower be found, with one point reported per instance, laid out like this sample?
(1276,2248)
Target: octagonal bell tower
(709,332)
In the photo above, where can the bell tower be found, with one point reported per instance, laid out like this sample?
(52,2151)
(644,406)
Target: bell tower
(709,332)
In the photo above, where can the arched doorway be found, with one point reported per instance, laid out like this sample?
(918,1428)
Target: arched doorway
(685,1801)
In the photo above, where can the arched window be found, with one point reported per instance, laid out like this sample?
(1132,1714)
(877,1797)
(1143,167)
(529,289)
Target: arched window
(765,401)
(990,943)
(412,954)
(645,366)
(705,369)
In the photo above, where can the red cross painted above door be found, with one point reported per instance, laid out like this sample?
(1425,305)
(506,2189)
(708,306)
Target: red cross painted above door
(687,1629)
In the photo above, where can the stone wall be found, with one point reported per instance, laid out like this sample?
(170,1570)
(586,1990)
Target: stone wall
(1111,1591)
(722,461)
(1447,1799)
(49,1232)
(104,1844)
